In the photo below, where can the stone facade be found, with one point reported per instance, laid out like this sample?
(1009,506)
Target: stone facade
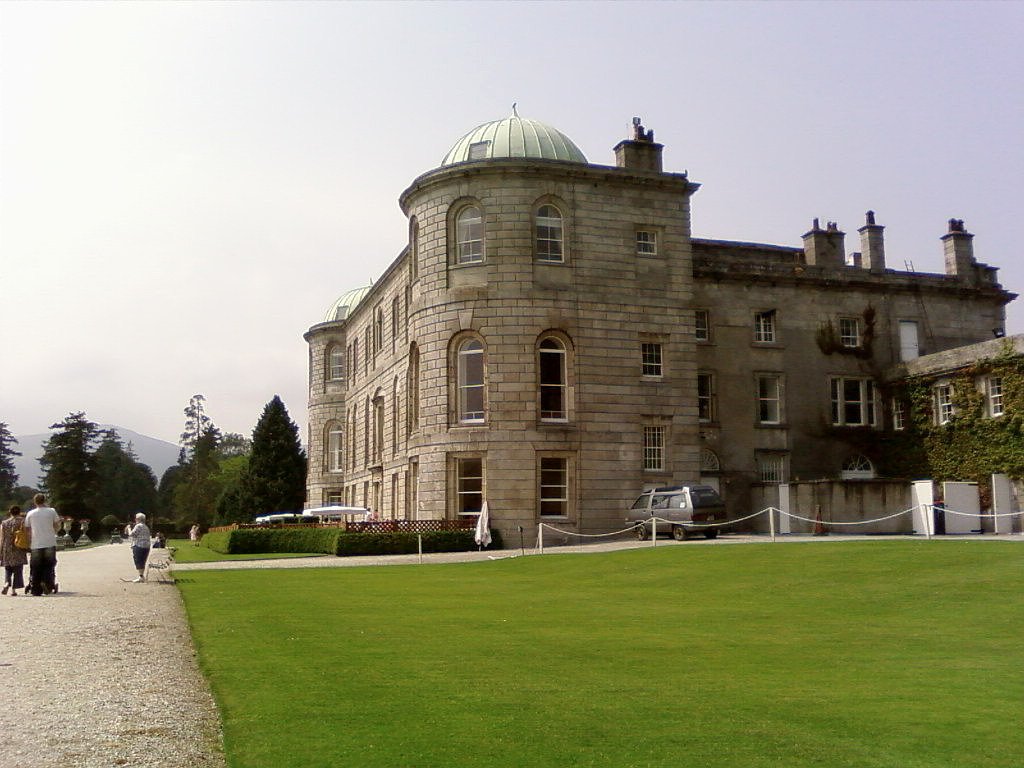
(553,341)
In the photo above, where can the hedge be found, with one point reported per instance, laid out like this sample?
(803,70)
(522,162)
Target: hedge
(335,541)
(245,541)
(406,543)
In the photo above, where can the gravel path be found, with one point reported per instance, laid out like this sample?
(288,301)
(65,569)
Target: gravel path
(103,673)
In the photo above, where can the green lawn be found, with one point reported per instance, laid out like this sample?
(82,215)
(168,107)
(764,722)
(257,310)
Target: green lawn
(187,552)
(861,654)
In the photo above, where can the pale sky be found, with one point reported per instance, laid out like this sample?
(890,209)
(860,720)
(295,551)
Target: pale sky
(186,187)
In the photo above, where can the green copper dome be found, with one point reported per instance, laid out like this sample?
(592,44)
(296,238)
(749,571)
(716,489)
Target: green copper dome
(514,137)
(343,307)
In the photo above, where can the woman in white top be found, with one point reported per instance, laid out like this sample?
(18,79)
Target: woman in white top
(140,539)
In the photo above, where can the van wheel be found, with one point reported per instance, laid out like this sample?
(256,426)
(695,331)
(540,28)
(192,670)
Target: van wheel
(679,533)
(641,532)
(711,533)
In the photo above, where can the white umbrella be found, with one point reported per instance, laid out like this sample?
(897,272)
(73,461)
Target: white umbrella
(482,537)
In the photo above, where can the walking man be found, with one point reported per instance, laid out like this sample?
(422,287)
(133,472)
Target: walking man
(44,523)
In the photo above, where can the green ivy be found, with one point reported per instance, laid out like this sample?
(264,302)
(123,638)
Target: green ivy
(971,446)
(829,342)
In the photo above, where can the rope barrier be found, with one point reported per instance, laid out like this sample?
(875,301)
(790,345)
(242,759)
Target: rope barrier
(848,522)
(589,535)
(978,514)
(767,510)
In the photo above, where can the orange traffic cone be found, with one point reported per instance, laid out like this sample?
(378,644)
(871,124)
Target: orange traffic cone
(819,527)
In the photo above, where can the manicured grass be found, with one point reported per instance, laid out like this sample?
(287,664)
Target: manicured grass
(860,654)
(187,552)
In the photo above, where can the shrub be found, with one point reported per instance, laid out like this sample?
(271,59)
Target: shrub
(261,540)
(352,544)
(218,541)
(335,541)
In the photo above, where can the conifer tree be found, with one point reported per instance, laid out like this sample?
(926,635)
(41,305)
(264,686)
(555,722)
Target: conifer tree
(123,484)
(69,466)
(276,477)
(8,474)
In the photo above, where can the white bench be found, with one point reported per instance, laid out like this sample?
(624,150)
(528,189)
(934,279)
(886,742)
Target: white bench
(160,559)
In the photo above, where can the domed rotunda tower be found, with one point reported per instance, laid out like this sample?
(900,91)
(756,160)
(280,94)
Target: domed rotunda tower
(497,358)
(552,342)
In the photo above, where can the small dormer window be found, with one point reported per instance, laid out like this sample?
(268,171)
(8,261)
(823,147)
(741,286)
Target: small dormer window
(478,150)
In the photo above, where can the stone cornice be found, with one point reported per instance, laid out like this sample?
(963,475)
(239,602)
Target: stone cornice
(549,169)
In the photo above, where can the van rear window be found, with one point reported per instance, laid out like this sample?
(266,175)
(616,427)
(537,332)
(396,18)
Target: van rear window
(705,497)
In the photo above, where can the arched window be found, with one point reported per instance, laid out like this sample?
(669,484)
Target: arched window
(549,234)
(412,391)
(352,432)
(335,363)
(471,382)
(857,467)
(551,364)
(469,235)
(709,461)
(414,249)
(394,417)
(335,448)
(378,427)
(367,428)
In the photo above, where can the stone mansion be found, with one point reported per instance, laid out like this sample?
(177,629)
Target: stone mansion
(553,341)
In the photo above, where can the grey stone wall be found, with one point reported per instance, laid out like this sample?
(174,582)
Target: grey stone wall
(603,302)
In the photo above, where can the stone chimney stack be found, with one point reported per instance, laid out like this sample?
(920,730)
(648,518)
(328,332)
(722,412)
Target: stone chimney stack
(959,250)
(640,153)
(825,247)
(872,244)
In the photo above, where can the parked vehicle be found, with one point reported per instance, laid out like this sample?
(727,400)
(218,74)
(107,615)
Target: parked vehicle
(280,518)
(336,513)
(677,509)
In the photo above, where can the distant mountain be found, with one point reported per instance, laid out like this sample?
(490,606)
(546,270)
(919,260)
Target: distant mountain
(158,455)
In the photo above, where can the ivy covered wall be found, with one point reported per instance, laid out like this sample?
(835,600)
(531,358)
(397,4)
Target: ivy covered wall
(972,445)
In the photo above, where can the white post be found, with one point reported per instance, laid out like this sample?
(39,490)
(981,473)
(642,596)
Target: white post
(784,507)
(771,522)
(540,537)
(654,531)
(419,545)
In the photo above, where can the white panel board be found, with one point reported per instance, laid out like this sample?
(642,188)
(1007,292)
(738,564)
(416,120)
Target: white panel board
(962,498)
(1002,503)
(922,495)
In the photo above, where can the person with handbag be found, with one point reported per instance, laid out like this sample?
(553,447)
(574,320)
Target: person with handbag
(14,546)
(43,523)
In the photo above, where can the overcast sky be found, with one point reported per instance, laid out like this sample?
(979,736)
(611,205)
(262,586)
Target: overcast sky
(185,188)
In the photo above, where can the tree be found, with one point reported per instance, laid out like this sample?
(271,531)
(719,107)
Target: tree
(276,478)
(234,444)
(195,495)
(123,484)
(172,477)
(231,504)
(69,466)
(196,425)
(8,474)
